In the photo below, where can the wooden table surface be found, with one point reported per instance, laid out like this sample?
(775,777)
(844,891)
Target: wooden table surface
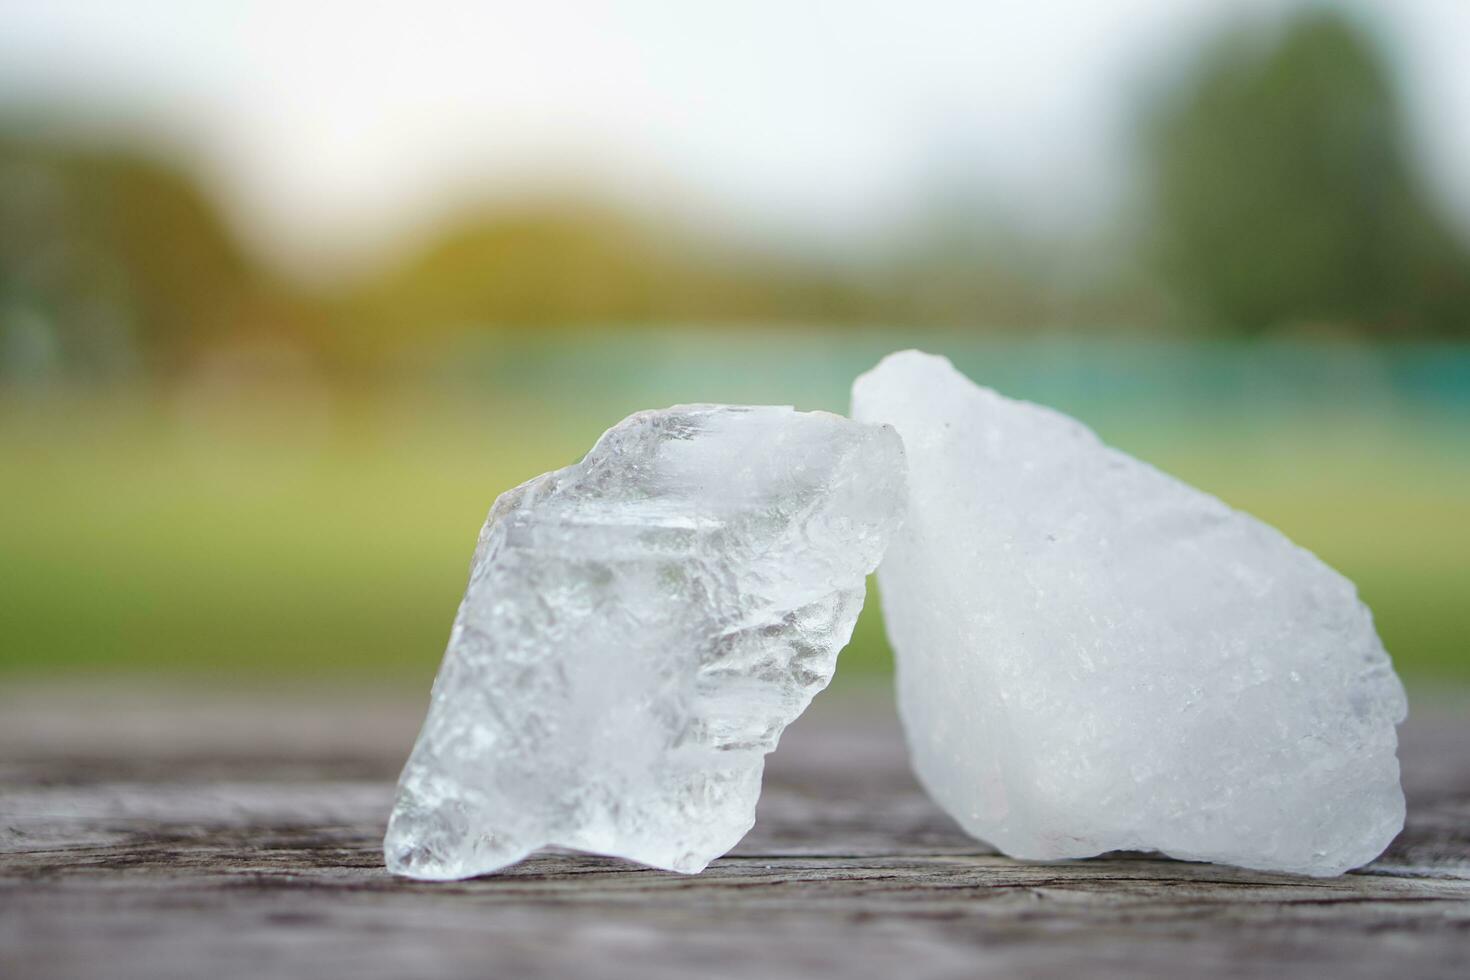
(173,834)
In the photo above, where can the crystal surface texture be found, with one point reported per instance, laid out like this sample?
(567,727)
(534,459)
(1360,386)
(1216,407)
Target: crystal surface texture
(638,630)
(1094,656)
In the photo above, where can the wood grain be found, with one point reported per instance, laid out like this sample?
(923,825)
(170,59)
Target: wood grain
(165,834)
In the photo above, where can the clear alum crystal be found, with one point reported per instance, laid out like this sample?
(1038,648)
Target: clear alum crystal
(638,630)
(1094,656)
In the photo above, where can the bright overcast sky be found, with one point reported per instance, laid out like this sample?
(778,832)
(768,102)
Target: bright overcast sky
(333,125)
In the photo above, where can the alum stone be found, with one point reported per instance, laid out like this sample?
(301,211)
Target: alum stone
(638,630)
(1094,656)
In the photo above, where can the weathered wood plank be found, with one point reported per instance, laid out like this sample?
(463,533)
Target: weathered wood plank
(165,836)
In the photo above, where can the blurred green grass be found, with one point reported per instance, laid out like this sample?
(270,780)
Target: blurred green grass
(145,534)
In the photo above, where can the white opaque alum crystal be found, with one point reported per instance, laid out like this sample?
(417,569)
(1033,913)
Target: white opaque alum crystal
(1094,656)
(638,630)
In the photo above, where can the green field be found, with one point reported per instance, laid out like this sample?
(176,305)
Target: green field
(281,533)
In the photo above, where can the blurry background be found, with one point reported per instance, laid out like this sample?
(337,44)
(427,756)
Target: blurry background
(289,292)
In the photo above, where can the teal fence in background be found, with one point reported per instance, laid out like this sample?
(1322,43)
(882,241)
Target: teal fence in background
(1101,380)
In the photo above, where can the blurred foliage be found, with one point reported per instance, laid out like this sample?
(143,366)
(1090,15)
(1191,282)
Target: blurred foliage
(1284,190)
(1281,183)
(111,262)
(551,262)
(292,475)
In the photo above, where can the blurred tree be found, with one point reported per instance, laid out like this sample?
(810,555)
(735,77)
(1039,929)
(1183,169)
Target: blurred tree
(1283,190)
(548,262)
(117,258)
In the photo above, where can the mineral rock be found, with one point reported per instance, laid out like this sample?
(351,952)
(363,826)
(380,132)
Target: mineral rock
(638,630)
(1094,656)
